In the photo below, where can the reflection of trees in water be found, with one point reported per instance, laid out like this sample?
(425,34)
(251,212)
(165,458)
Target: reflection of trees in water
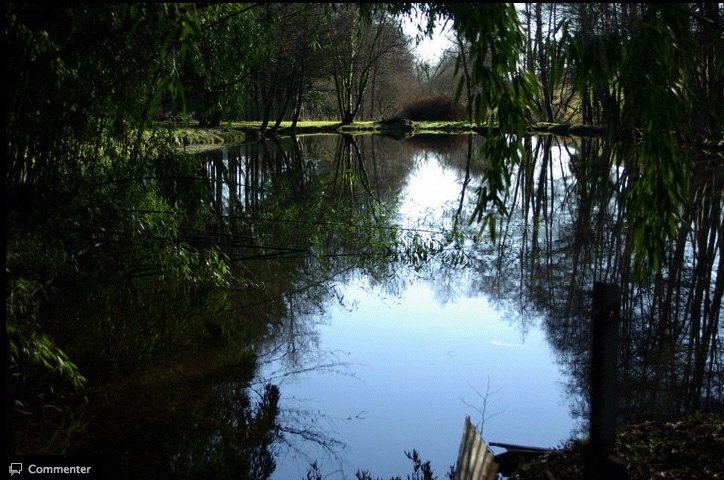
(566,227)
(436,143)
(294,218)
(164,353)
(230,437)
(293,221)
(670,362)
(194,418)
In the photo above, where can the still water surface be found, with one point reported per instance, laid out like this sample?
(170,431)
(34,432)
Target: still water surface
(385,318)
(405,368)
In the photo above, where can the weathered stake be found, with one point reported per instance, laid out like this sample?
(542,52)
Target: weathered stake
(604,354)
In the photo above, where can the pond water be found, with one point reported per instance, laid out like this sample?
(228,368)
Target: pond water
(368,316)
(405,368)
(404,317)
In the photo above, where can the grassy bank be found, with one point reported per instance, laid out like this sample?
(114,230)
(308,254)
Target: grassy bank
(193,137)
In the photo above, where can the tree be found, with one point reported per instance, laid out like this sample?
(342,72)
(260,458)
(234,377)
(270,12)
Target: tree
(647,83)
(391,82)
(81,76)
(546,30)
(465,84)
(218,68)
(302,61)
(85,177)
(638,81)
(356,45)
(296,61)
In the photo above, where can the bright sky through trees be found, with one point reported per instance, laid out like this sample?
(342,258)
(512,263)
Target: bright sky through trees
(429,50)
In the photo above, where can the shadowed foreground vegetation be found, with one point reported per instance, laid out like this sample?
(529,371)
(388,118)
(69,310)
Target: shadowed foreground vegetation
(689,448)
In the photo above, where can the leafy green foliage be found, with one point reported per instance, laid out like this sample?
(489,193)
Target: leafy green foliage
(646,96)
(218,68)
(648,84)
(31,351)
(42,381)
(97,207)
(82,76)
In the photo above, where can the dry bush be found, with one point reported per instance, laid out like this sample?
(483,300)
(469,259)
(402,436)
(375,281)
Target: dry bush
(437,108)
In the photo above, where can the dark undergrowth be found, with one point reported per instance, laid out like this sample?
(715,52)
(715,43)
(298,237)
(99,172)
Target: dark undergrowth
(685,449)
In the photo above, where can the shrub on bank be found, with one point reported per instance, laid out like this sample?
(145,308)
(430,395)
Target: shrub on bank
(438,108)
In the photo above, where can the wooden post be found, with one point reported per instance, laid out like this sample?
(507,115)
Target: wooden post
(604,354)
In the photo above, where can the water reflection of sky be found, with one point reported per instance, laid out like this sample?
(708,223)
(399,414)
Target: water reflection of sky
(431,190)
(418,363)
